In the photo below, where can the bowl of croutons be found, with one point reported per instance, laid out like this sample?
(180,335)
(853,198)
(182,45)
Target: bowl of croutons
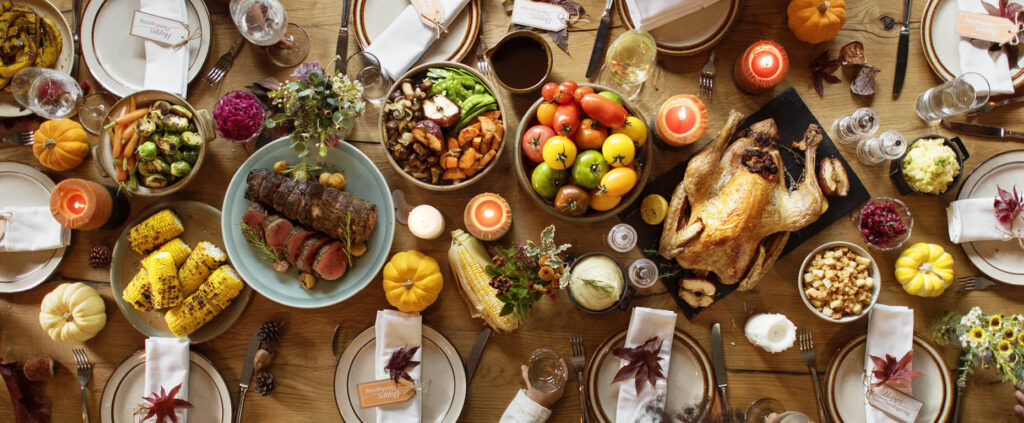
(839,282)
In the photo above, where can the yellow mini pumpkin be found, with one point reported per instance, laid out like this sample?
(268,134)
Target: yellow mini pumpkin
(60,144)
(412,281)
(924,270)
(816,21)
(72,313)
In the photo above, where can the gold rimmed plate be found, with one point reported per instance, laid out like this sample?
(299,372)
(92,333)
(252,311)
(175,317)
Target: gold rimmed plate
(940,41)
(1002,261)
(371,17)
(693,33)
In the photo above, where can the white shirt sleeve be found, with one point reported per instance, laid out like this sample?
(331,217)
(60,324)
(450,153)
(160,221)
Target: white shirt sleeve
(524,410)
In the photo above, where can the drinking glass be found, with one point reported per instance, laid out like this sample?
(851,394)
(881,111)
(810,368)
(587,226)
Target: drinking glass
(545,371)
(365,68)
(94,108)
(889,146)
(862,123)
(961,95)
(621,238)
(643,273)
(265,23)
(761,409)
(46,92)
(629,62)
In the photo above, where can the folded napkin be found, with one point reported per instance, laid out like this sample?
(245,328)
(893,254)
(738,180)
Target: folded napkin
(643,325)
(407,38)
(650,14)
(975,56)
(974,219)
(166,67)
(397,330)
(30,229)
(890,331)
(167,365)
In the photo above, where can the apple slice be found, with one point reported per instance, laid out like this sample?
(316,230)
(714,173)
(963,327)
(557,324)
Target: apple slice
(832,178)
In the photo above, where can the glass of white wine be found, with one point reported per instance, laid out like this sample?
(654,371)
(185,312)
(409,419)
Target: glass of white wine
(629,62)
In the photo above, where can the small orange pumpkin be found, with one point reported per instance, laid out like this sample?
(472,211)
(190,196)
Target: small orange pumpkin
(60,144)
(816,21)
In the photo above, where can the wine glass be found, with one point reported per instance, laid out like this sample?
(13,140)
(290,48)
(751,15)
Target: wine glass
(94,108)
(629,62)
(365,68)
(46,92)
(265,23)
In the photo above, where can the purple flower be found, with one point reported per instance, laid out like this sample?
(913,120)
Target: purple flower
(302,71)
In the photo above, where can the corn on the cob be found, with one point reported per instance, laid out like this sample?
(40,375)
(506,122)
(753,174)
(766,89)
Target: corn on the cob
(212,297)
(204,258)
(157,229)
(137,293)
(468,260)
(178,249)
(163,281)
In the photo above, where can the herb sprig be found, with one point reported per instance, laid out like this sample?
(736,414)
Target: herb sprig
(253,238)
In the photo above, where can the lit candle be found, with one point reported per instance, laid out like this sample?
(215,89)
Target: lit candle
(488,216)
(86,205)
(761,67)
(681,120)
(426,222)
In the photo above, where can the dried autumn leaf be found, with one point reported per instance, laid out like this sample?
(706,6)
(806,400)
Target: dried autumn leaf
(27,399)
(400,361)
(852,54)
(164,405)
(821,70)
(1008,205)
(642,363)
(864,82)
(890,370)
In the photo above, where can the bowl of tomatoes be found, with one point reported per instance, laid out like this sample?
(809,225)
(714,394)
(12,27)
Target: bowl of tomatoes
(584,152)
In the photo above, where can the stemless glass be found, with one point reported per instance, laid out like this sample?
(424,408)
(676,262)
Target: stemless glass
(365,68)
(629,62)
(545,370)
(643,273)
(265,23)
(94,108)
(46,92)
(862,123)
(621,237)
(761,409)
(961,95)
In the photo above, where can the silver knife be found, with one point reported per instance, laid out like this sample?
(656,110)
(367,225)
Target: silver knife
(902,50)
(246,377)
(961,381)
(76,7)
(600,39)
(982,130)
(474,355)
(718,362)
(341,50)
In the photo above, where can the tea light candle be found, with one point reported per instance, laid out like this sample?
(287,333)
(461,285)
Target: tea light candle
(761,67)
(488,216)
(681,120)
(86,205)
(426,222)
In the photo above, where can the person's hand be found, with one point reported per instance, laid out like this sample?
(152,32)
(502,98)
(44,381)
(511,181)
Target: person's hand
(542,398)
(1018,409)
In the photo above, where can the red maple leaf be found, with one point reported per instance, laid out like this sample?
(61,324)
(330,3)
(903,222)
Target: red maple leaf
(164,405)
(642,363)
(401,360)
(890,370)
(1008,205)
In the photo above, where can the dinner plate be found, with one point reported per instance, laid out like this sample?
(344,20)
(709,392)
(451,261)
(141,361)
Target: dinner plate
(22,186)
(118,60)
(693,33)
(690,380)
(444,379)
(8,106)
(940,41)
(845,383)
(127,384)
(371,17)
(364,181)
(1002,261)
(202,223)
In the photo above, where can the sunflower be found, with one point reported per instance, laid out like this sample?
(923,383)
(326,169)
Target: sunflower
(978,334)
(1009,333)
(1020,338)
(1004,348)
(995,322)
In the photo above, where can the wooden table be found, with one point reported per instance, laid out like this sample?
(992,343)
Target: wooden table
(304,369)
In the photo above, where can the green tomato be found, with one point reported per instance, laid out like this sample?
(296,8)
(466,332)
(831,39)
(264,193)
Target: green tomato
(612,96)
(589,168)
(546,181)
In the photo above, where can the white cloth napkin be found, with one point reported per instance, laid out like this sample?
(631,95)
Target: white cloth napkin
(643,325)
(167,365)
(396,330)
(650,14)
(974,219)
(407,38)
(166,67)
(975,57)
(890,331)
(30,229)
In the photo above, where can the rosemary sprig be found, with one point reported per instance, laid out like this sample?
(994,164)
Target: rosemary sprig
(266,251)
(348,239)
(597,284)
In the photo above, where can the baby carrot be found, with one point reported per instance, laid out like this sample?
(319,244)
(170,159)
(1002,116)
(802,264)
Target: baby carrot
(129,149)
(116,140)
(132,116)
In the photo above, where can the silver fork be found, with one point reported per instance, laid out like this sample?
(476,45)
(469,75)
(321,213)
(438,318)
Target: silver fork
(810,359)
(706,83)
(579,359)
(481,56)
(972,283)
(224,63)
(84,374)
(21,138)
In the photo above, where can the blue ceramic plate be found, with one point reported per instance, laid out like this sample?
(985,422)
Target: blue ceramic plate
(364,181)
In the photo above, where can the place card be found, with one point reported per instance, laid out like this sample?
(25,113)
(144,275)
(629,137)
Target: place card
(546,16)
(432,14)
(985,27)
(380,392)
(894,403)
(159,29)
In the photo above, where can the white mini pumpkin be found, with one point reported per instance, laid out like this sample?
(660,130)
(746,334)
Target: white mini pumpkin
(73,313)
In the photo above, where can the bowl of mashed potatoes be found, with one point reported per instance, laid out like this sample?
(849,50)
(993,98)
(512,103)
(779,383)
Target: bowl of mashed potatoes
(931,165)
(598,283)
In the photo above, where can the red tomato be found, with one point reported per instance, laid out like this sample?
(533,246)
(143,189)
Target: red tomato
(604,110)
(581,92)
(591,135)
(567,120)
(549,90)
(533,141)
(565,90)
(546,114)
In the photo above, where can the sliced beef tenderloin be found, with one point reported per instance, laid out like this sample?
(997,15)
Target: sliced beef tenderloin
(294,202)
(253,181)
(331,262)
(293,245)
(269,187)
(309,249)
(276,230)
(282,193)
(312,195)
(254,217)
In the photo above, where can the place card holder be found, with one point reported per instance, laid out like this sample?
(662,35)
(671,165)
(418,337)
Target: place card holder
(380,392)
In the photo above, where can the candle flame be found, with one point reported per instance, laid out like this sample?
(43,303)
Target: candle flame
(767,61)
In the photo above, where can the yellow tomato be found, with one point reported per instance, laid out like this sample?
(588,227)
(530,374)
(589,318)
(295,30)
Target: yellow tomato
(618,150)
(618,181)
(603,202)
(635,129)
(559,153)
(546,113)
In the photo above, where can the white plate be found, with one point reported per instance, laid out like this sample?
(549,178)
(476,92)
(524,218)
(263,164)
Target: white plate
(206,391)
(845,383)
(118,60)
(940,41)
(690,380)
(11,108)
(372,17)
(999,260)
(23,185)
(693,33)
(444,378)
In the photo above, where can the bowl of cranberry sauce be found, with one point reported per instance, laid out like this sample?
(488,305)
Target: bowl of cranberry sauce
(884,223)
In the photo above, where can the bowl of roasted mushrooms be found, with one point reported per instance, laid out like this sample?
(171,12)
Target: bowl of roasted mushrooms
(442,126)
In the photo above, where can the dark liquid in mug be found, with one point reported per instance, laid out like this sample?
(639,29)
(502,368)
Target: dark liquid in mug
(520,62)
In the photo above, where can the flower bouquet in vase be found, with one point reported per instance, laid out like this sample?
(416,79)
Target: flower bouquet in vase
(987,341)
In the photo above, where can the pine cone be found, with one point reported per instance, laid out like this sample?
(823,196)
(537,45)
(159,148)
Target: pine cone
(270,331)
(264,384)
(99,257)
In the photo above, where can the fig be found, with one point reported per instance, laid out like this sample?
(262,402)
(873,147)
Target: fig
(853,53)
(429,134)
(39,369)
(441,110)
(832,178)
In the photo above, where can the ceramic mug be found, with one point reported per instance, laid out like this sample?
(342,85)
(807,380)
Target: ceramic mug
(489,54)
